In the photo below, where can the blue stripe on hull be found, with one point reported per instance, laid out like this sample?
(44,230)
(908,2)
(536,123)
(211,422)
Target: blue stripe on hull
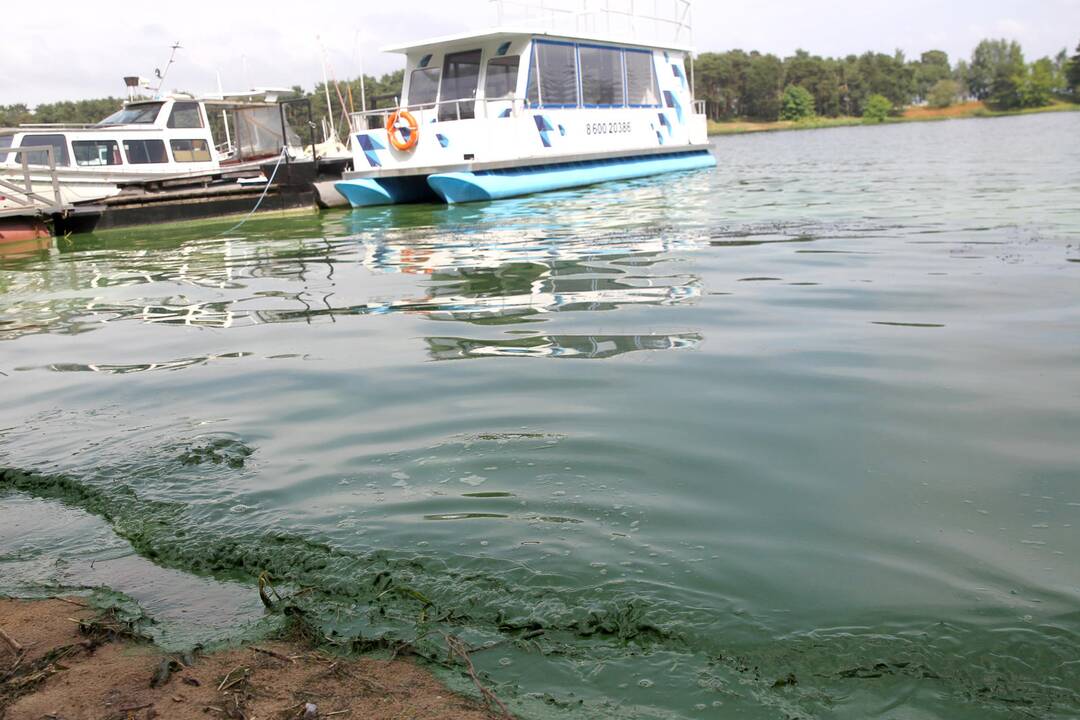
(365,192)
(459,187)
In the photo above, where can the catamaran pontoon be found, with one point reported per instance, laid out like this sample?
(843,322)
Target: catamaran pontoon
(520,110)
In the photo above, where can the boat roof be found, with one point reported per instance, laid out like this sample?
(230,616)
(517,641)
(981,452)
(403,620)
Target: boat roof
(518,32)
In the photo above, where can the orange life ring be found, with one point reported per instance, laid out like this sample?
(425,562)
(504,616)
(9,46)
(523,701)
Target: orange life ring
(399,138)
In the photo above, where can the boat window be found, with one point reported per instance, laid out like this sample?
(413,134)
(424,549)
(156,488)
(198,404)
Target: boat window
(96,152)
(185,116)
(58,143)
(501,79)
(555,67)
(601,76)
(141,114)
(461,78)
(5,142)
(190,151)
(145,152)
(641,89)
(423,87)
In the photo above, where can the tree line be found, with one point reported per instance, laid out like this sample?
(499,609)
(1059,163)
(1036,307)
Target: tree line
(764,87)
(382,90)
(752,85)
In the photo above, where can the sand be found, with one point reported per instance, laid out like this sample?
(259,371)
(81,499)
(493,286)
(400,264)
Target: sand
(69,662)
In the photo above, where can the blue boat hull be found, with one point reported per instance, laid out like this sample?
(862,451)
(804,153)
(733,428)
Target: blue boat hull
(365,192)
(460,187)
(463,187)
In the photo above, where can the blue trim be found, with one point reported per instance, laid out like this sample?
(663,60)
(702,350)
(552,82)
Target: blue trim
(456,187)
(503,49)
(424,61)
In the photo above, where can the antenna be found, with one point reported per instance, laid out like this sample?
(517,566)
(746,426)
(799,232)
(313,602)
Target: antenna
(161,75)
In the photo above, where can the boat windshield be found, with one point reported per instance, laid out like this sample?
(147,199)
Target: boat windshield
(141,114)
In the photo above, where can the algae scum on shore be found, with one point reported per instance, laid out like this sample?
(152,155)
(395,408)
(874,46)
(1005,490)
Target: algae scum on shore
(814,455)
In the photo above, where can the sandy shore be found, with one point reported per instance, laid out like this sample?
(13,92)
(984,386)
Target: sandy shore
(63,660)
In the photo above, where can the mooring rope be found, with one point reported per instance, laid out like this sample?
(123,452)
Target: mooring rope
(269,183)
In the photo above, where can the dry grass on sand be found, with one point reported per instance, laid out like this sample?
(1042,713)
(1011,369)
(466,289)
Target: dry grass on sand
(60,660)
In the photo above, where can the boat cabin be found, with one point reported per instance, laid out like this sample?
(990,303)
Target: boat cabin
(177,134)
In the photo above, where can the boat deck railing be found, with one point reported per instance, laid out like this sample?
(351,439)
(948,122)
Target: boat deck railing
(443,110)
(17,186)
(465,109)
(651,22)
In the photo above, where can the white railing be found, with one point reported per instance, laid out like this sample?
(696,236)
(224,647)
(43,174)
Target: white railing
(649,22)
(443,110)
(19,191)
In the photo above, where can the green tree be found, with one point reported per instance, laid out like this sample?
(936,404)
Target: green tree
(796,104)
(877,109)
(944,93)
(15,115)
(764,80)
(996,73)
(932,68)
(818,75)
(1037,86)
(1072,72)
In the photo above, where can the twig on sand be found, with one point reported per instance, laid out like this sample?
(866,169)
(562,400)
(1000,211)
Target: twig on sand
(273,654)
(10,642)
(458,649)
(225,684)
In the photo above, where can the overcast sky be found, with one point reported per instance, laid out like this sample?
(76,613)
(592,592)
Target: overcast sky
(79,49)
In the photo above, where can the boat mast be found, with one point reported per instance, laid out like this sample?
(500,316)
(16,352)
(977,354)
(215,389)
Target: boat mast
(162,75)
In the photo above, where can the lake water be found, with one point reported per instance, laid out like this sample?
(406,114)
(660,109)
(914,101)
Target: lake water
(799,437)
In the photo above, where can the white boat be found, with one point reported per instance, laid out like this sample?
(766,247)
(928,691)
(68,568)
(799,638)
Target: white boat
(174,138)
(541,106)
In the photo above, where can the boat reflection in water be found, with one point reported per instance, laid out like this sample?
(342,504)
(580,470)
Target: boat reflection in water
(504,270)
(578,347)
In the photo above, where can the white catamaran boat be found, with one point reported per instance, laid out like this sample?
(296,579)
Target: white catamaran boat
(569,98)
(170,138)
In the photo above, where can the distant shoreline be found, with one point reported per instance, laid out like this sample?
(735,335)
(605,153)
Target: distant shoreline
(914,114)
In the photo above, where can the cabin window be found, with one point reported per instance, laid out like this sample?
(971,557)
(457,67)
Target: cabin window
(501,79)
(641,88)
(96,152)
(423,87)
(190,151)
(601,76)
(5,142)
(461,78)
(185,116)
(59,146)
(145,152)
(554,82)
(141,114)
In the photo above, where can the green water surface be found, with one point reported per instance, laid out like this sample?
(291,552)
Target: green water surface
(799,437)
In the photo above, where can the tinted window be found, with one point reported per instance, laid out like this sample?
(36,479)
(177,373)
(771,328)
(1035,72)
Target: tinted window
(640,80)
(501,77)
(185,116)
(5,142)
(145,152)
(557,69)
(141,114)
(461,78)
(189,151)
(59,145)
(423,86)
(96,152)
(601,76)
